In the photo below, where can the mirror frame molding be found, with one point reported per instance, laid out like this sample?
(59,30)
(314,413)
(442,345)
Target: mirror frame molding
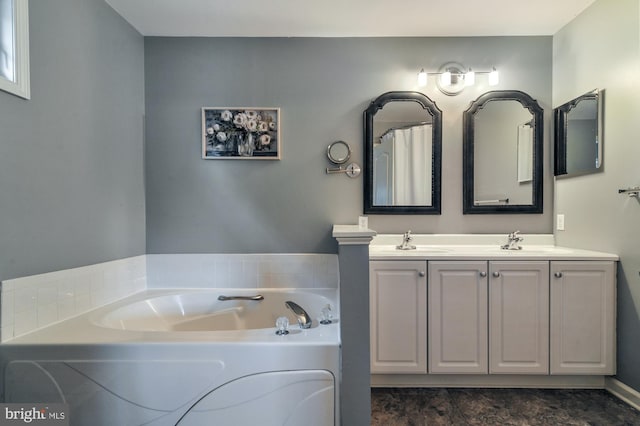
(560,123)
(468,161)
(430,108)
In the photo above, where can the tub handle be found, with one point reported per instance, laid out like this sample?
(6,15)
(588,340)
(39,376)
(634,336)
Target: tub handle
(256,297)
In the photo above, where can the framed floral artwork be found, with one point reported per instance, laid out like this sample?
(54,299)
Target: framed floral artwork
(241,133)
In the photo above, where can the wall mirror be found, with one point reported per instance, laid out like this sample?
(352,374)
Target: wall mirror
(502,154)
(578,135)
(403,146)
(14,47)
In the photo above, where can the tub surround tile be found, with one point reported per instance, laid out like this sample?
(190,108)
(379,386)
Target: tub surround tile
(40,300)
(26,298)
(7,309)
(82,302)
(242,270)
(24,322)
(47,314)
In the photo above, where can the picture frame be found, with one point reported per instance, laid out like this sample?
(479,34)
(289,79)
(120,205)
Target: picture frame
(234,133)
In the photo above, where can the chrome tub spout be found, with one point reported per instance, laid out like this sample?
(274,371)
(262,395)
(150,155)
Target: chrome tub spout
(304,320)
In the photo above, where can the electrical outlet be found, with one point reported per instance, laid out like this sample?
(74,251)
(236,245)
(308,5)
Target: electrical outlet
(560,222)
(363,222)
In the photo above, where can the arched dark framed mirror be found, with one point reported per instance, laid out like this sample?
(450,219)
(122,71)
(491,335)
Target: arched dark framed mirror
(503,154)
(578,135)
(403,154)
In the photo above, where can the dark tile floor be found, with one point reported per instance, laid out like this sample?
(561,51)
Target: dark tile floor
(462,407)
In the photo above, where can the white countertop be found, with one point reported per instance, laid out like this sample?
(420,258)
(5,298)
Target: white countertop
(478,247)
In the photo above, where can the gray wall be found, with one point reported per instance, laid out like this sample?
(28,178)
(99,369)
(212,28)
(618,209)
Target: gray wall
(71,181)
(600,49)
(322,87)
(355,395)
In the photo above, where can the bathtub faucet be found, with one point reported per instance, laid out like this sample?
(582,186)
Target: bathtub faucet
(303,317)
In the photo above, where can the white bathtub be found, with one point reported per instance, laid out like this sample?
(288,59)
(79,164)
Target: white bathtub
(167,357)
(200,310)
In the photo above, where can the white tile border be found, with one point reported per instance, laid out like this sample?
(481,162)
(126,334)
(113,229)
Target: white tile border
(242,271)
(37,301)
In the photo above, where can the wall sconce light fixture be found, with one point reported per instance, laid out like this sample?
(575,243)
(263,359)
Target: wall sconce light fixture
(452,78)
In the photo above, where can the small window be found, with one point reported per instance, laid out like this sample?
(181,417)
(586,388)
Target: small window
(14,47)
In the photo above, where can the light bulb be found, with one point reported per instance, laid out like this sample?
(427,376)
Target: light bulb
(470,78)
(445,78)
(494,79)
(422,78)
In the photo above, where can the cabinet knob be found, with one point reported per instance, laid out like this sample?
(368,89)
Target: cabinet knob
(421,274)
(483,274)
(558,275)
(496,274)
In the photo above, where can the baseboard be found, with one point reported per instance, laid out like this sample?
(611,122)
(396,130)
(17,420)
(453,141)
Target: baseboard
(487,381)
(622,391)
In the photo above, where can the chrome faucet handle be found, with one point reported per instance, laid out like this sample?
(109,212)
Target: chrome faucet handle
(282,323)
(327,316)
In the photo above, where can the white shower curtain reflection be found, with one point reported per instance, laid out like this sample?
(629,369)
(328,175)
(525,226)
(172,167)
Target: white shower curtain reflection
(412,163)
(7,40)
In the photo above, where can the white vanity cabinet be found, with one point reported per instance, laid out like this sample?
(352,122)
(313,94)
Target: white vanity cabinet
(458,317)
(509,318)
(538,316)
(583,300)
(398,310)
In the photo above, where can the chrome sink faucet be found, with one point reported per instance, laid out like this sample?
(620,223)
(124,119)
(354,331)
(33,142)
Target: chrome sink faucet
(406,240)
(512,242)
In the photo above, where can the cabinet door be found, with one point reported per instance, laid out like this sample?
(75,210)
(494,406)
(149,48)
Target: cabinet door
(398,307)
(458,317)
(582,317)
(519,317)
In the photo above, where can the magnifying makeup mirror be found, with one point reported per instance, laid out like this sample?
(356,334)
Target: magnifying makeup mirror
(339,153)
